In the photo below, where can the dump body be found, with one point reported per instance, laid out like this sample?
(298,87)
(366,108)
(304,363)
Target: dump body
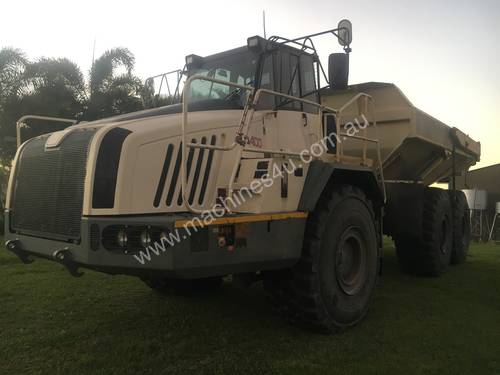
(415,147)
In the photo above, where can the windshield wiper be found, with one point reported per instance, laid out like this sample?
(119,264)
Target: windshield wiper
(236,92)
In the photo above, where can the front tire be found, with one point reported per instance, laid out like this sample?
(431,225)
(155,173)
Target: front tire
(332,285)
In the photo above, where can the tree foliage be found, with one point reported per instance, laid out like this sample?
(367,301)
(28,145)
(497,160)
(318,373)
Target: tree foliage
(12,65)
(57,87)
(111,93)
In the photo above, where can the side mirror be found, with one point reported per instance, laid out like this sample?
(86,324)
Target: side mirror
(338,70)
(344,33)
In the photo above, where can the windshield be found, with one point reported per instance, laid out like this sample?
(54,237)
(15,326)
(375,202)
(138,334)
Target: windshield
(237,68)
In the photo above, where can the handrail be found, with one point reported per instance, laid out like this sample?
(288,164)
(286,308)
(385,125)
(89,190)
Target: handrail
(241,134)
(379,156)
(164,77)
(346,105)
(20,122)
(164,74)
(244,126)
(302,100)
(340,152)
(245,149)
(237,142)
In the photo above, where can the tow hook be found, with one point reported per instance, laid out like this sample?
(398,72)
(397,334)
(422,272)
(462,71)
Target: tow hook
(64,257)
(14,246)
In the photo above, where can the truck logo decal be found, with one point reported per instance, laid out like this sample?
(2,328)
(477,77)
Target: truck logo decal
(256,142)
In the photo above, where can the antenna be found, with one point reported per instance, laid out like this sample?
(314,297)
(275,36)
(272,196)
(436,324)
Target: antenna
(93,52)
(264,22)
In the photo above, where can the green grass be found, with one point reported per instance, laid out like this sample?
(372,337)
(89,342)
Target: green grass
(51,323)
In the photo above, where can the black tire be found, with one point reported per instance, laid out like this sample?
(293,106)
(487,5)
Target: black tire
(435,251)
(332,285)
(431,254)
(184,287)
(461,227)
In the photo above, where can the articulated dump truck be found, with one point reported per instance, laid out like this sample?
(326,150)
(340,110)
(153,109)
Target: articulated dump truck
(259,173)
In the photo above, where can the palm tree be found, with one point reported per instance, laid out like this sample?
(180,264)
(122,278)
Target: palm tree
(56,87)
(112,93)
(53,87)
(47,87)
(12,64)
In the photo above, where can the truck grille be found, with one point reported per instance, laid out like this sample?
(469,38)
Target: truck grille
(49,186)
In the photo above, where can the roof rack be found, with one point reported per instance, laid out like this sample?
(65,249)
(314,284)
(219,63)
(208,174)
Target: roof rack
(306,44)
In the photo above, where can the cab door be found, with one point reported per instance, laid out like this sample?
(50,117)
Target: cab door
(297,122)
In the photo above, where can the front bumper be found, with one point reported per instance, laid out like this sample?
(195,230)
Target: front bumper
(99,259)
(197,255)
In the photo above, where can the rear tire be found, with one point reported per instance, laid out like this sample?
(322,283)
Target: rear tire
(437,233)
(461,227)
(431,254)
(184,287)
(332,285)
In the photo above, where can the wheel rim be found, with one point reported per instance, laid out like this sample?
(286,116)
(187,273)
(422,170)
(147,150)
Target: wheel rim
(351,261)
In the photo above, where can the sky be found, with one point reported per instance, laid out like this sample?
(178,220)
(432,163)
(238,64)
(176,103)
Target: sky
(444,55)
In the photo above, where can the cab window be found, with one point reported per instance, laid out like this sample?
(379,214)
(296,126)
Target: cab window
(308,80)
(291,74)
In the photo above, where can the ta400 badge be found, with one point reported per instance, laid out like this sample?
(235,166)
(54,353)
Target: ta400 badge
(256,142)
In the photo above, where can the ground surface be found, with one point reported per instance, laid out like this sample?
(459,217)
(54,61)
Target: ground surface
(51,323)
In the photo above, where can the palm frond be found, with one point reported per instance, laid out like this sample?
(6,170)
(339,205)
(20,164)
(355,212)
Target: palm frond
(56,73)
(12,64)
(11,59)
(105,66)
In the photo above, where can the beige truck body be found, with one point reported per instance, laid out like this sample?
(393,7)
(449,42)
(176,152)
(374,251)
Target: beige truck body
(415,147)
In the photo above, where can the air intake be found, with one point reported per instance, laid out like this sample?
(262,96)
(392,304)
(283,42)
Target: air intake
(199,165)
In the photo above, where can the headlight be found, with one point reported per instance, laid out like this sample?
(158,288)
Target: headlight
(127,239)
(122,238)
(145,238)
